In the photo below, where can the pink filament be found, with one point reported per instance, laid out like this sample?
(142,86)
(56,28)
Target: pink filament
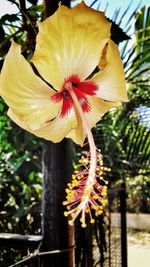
(83,192)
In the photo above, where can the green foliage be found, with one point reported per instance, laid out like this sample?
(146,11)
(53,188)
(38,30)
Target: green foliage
(21,27)
(20,152)
(20,178)
(124,134)
(137,61)
(136,187)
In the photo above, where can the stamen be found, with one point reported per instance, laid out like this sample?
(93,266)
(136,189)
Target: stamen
(88,189)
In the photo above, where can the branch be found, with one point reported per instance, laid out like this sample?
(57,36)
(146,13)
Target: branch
(52,6)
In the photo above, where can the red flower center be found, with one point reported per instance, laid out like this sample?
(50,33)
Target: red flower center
(81,89)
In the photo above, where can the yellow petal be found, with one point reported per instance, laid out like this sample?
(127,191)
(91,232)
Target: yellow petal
(25,92)
(70,42)
(77,134)
(14,116)
(98,109)
(111,80)
(54,131)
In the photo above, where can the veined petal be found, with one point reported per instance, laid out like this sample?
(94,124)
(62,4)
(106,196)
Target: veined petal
(98,108)
(58,129)
(25,92)
(14,116)
(54,131)
(70,42)
(111,80)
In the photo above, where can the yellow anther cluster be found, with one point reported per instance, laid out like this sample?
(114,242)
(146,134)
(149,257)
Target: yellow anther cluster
(73,177)
(83,224)
(99,212)
(79,177)
(92,221)
(104,192)
(104,202)
(70,195)
(85,153)
(73,215)
(95,197)
(87,210)
(84,160)
(81,220)
(75,166)
(84,197)
(65,213)
(94,207)
(70,223)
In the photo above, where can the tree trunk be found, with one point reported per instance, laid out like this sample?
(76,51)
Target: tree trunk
(57,234)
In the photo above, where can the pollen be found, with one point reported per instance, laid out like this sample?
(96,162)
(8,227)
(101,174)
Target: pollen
(70,223)
(83,197)
(87,192)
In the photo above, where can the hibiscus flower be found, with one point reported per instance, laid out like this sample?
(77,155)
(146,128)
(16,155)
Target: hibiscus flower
(80,78)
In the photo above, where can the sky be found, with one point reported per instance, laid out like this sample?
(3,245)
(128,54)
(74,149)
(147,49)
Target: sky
(7,7)
(113,5)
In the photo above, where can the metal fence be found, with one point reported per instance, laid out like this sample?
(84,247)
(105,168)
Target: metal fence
(112,237)
(101,245)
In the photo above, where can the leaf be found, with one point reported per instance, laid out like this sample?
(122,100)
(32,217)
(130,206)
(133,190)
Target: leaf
(33,2)
(10,18)
(117,34)
(93,3)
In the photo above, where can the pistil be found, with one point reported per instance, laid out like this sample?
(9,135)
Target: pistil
(85,192)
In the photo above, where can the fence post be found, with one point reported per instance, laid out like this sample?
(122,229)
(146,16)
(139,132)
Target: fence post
(123,226)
